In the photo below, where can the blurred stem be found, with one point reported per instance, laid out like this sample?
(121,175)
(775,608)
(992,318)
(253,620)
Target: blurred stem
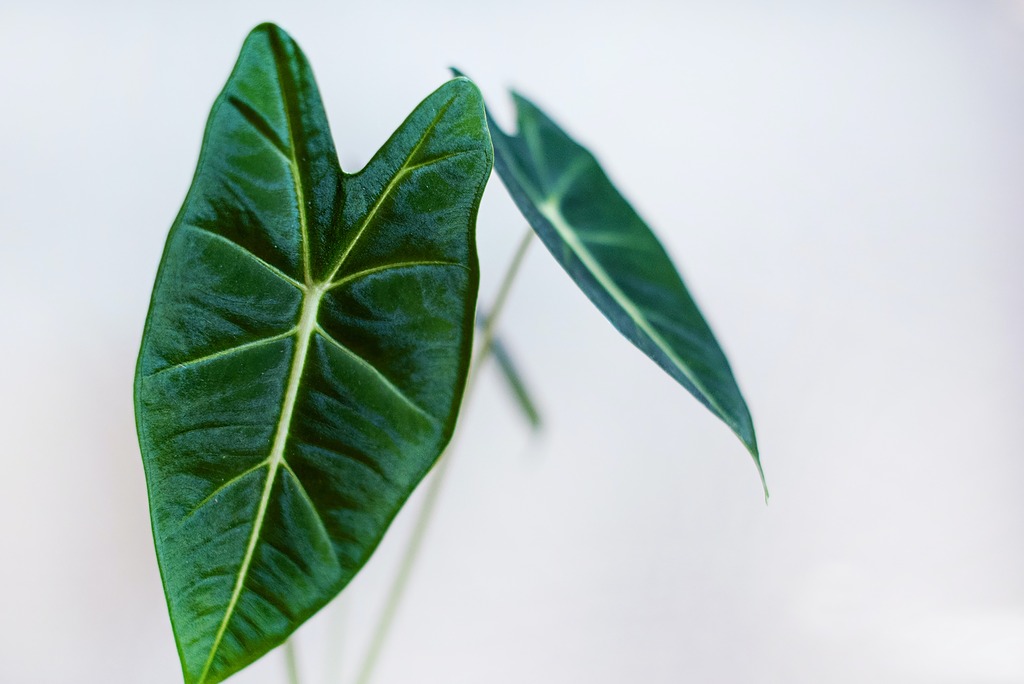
(441,468)
(499,303)
(291,661)
(336,638)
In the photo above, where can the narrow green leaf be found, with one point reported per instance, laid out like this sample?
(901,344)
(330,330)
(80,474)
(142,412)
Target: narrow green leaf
(305,352)
(616,260)
(513,378)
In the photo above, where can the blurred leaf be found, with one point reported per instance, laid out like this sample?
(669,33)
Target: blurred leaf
(305,352)
(613,256)
(513,378)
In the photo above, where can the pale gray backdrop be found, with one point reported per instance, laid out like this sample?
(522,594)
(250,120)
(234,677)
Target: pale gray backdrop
(843,186)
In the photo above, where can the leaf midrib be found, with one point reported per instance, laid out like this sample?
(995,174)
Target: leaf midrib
(550,210)
(404,169)
(304,332)
(312,295)
(307,324)
(288,88)
(548,203)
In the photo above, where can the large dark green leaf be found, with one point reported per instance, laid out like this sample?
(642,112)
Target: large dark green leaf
(615,259)
(305,352)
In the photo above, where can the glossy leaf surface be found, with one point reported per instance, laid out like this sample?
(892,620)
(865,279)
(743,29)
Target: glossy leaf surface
(615,258)
(305,352)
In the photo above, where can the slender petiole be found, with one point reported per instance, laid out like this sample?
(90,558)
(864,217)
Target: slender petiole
(291,661)
(426,512)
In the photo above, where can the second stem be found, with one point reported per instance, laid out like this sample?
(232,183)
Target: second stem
(426,513)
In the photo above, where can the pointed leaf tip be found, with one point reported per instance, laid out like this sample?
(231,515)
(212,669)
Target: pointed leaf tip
(615,258)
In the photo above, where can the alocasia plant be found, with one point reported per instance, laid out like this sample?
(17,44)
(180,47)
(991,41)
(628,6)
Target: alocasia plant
(310,333)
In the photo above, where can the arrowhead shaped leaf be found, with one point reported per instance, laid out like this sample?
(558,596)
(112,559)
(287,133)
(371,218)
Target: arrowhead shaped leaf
(305,352)
(616,260)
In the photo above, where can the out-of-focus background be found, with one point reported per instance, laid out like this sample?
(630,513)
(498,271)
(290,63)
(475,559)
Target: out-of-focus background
(842,185)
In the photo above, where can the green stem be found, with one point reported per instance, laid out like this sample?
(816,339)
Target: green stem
(291,661)
(336,637)
(441,468)
(499,303)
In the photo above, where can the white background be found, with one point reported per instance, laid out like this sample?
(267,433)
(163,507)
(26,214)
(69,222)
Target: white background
(842,184)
